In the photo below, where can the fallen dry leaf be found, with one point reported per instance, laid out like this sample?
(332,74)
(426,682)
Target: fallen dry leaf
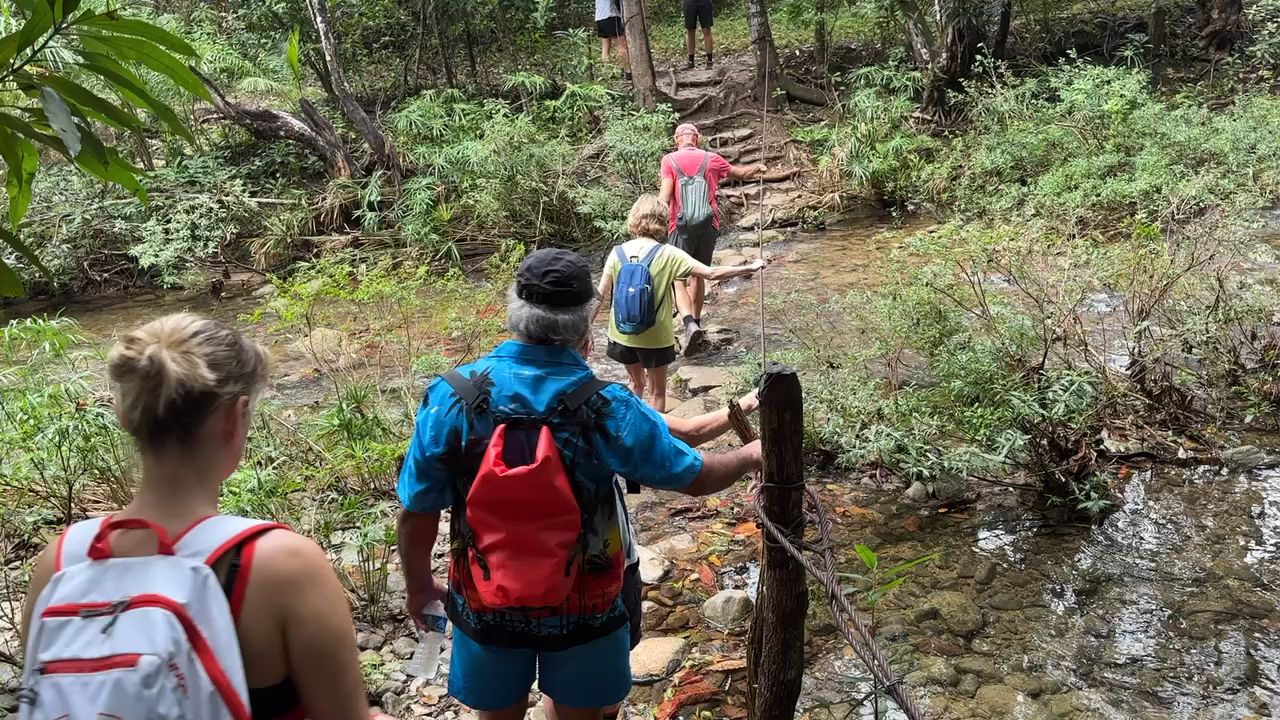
(708,577)
(746,529)
(731,712)
(913,523)
(715,560)
(689,695)
(725,666)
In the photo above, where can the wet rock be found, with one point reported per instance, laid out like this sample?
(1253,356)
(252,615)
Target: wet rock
(656,659)
(943,646)
(729,257)
(892,633)
(983,646)
(370,640)
(933,672)
(266,291)
(403,647)
(839,711)
(653,567)
(370,657)
(728,609)
(396,583)
(1031,685)
(1063,705)
(959,614)
(1006,602)
(675,547)
(700,378)
(9,678)
(968,686)
(1233,568)
(679,619)
(984,572)
(926,613)
(653,615)
(1004,702)
(1245,457)
(1096,626)
(917,493)
(393,704)
(982,667)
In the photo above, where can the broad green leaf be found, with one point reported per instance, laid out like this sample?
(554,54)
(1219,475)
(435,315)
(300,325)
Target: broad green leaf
(39,22)
(60,119)
(131,88)
(101,162)
(293,53)
(10,283)
(868,556)
(12,240)
(9,48)
(82,96)
(24,5)
(27,130)
(21,159)
(112,22)
(888,587)
(896,569)
(151,55)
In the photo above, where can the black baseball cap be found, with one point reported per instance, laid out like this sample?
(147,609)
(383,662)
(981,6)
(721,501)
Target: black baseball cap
(555,277)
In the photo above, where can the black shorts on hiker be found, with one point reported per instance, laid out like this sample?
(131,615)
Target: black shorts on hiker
(650,358)
(701,250)
(610,27)
(631,599)
(698,12)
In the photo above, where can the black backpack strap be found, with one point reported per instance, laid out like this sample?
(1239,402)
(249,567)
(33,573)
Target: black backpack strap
(583,393)
(464,388)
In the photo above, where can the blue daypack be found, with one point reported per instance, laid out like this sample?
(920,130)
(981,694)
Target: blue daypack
(634,307)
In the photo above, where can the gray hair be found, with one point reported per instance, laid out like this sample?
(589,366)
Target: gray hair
(545,325)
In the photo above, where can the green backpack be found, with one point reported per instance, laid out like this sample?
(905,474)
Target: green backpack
(696,220)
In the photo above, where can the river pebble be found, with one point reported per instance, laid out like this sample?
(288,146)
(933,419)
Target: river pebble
(728,608)
(982,667)
(657,658)
(1006,602)
(1004,702)
(959,614)
(403,647)
(933,672)
(653,567)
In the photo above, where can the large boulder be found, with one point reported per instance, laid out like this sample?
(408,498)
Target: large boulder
(728,609)
(657,659)
(958,613)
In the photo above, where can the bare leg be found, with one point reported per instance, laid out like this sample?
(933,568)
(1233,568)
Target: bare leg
(658,388)
(690,43)
(605,44)
(623,53)
(708,43)
(684,299)
(556,711)
(698,295)
(515,712)
(636,373)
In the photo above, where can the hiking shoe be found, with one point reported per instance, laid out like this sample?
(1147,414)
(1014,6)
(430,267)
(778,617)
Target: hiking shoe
(695,340)
(691,65)
(710,63)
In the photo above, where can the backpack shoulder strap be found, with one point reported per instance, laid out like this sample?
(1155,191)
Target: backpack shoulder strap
(652,255)
(584,392)
(464,388)
(74,542)
(706,159)
(676,166)
(622,255)
(212,537)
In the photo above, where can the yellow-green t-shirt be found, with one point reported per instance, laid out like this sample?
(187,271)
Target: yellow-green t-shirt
(671,264)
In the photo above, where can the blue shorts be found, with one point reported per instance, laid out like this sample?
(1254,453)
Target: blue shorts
(594,675)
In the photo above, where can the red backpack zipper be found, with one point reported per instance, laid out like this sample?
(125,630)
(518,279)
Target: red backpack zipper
(95,665)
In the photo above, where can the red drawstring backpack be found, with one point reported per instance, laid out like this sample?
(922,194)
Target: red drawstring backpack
(524,540)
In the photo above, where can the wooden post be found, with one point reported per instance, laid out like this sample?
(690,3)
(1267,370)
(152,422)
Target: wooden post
(775,656)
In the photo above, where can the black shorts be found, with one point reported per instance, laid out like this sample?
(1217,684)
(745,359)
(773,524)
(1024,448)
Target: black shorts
(701,250)
(648,357)
(631,600)
(610,27)
(698,12)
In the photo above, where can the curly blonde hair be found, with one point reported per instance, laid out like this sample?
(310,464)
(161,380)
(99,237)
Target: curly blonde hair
(648,218)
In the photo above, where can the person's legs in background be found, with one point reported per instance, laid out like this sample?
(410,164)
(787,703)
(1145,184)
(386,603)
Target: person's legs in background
(635,371)
(708,44)
(605,45)
(657,387)
(690,28)
(515,712)
(624,55)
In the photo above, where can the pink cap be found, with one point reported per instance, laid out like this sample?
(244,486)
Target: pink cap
(688,129)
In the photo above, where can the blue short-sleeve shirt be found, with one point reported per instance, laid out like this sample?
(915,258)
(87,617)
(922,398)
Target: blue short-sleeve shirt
(629,439)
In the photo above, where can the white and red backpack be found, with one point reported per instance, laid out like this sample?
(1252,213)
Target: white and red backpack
(138,637)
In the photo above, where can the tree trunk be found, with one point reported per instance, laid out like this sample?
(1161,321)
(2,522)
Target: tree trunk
(775,653)
(952,62)
(312,131)
(1159,41)
(471,46)
(822,41)
(383,153)
(443,44)
(1219,25)
(769,75)
(643,78)
(1000,48)
(919,36)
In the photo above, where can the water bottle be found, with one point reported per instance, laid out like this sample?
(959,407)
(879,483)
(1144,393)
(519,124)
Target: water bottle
(426,658)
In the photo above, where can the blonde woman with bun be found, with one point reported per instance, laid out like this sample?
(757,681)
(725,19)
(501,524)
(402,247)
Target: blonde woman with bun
(185,388)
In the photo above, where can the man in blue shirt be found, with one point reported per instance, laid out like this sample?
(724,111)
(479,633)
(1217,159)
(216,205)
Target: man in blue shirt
(549,314)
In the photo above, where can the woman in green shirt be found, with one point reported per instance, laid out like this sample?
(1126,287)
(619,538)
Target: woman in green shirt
(646,355)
